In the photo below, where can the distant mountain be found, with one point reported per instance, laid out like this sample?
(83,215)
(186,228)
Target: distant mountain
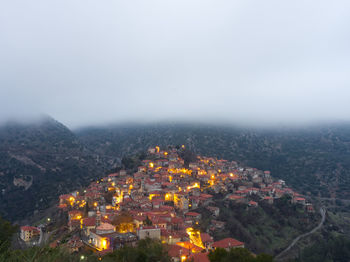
(38,162)
(314,160)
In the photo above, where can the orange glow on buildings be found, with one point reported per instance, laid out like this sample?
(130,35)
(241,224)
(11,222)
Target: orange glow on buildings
(195,185)
(180,171)
(195,237)
(104,244)
(168,197)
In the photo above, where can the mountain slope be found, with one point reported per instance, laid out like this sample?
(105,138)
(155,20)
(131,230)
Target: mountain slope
(39,161)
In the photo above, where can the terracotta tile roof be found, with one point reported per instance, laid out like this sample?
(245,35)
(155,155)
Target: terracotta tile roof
(89,221)
(177,251)
(227,243)
(206,238)
(192,214)
(29,228)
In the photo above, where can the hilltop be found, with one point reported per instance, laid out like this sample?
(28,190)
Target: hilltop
(192,204)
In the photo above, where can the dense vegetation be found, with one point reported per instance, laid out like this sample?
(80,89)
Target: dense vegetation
(332,248)
(6,232)
(45,159)
(146,251)
(267,228)
(237,255)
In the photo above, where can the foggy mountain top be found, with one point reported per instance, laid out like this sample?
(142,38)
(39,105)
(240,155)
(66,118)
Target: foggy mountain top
(253,63)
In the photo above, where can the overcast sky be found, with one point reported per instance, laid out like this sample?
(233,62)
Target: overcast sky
(93,62)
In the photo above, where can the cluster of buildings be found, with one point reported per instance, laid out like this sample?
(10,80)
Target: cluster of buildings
(161,201)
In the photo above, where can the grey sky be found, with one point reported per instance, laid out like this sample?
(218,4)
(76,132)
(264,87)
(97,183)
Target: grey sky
(91,62)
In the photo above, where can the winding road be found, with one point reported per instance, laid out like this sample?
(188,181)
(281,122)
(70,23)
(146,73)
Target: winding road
(323,214)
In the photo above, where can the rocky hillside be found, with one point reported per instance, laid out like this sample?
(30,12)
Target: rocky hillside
(314,160)
(38,162)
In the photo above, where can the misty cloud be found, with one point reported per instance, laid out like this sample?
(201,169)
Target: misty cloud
(91,62)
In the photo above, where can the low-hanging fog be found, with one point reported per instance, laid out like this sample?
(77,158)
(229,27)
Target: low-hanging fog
(94,62)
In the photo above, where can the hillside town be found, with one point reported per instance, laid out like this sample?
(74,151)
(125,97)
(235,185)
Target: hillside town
(162,201)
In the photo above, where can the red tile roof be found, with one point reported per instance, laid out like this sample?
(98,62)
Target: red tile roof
(227,243)
(206,238)
(29,228)
(192,214)
(89,221)
(177,251)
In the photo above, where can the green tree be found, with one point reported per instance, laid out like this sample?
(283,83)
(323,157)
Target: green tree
(147,250)
(6,232)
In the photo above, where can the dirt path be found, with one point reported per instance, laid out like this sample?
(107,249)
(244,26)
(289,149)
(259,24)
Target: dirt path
(323,214)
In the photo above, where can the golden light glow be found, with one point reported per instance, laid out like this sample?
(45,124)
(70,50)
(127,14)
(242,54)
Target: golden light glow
(104,244)
(71,200)
(157,149)
(165,153)
(195,185)
(95,204)
(183,258)
(168,197)
(130,187)
(125,227)
(212,177)
(170,178)
(195,237)
(180,171)
(151,196)
(82,204)
(202,172)
(151,165)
